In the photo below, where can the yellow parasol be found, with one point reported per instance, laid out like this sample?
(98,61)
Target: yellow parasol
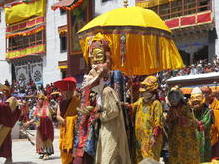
(140,41)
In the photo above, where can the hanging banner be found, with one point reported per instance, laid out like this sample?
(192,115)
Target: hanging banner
(25,24)
(22,74)
(37,72)
(22,11)
(33,50)
(151,3)
(27,32)
(67,4)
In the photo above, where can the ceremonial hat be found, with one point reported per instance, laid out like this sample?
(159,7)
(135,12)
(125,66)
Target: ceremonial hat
(67,84)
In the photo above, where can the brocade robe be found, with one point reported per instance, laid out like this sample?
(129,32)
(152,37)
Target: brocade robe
(149,116)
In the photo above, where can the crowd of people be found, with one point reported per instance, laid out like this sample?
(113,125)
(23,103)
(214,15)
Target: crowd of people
(200,67)
(114,119)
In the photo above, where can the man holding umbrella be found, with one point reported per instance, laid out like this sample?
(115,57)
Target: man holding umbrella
(67,116)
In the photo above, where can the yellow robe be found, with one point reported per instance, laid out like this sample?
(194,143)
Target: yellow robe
(183,144)
(148,117)
(215,127)
(66,140)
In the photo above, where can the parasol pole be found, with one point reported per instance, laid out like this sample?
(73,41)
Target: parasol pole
(132,98)
(123,40)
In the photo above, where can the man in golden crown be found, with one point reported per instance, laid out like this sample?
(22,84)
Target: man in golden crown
(203,116)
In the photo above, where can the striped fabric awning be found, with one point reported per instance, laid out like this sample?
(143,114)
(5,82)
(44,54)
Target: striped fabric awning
(63,64)
(67,4)
(188,89)
(151,3)
(62,30)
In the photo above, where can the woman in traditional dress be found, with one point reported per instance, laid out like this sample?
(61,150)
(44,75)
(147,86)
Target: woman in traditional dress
(183,144)
(45,131)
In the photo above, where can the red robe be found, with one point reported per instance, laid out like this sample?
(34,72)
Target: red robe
(7,118)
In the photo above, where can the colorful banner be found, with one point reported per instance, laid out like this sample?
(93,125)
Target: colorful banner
(67,4)
(151,3)
(27,32)
(25,24)
(37,72)
(34,50)
(63,67)
(63,64)
(20,12)
(22,73)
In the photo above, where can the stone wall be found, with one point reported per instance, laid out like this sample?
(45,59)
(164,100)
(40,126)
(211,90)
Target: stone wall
(54,19)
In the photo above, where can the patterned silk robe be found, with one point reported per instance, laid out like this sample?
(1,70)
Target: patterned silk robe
(183,144)
(149,116)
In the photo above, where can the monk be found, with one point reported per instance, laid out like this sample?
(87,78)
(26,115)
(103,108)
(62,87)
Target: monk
(9,114)
(67,116)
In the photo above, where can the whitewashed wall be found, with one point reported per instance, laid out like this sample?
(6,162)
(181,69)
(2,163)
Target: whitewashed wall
(5,71)
(102,7)
(51,72)
(54,19)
